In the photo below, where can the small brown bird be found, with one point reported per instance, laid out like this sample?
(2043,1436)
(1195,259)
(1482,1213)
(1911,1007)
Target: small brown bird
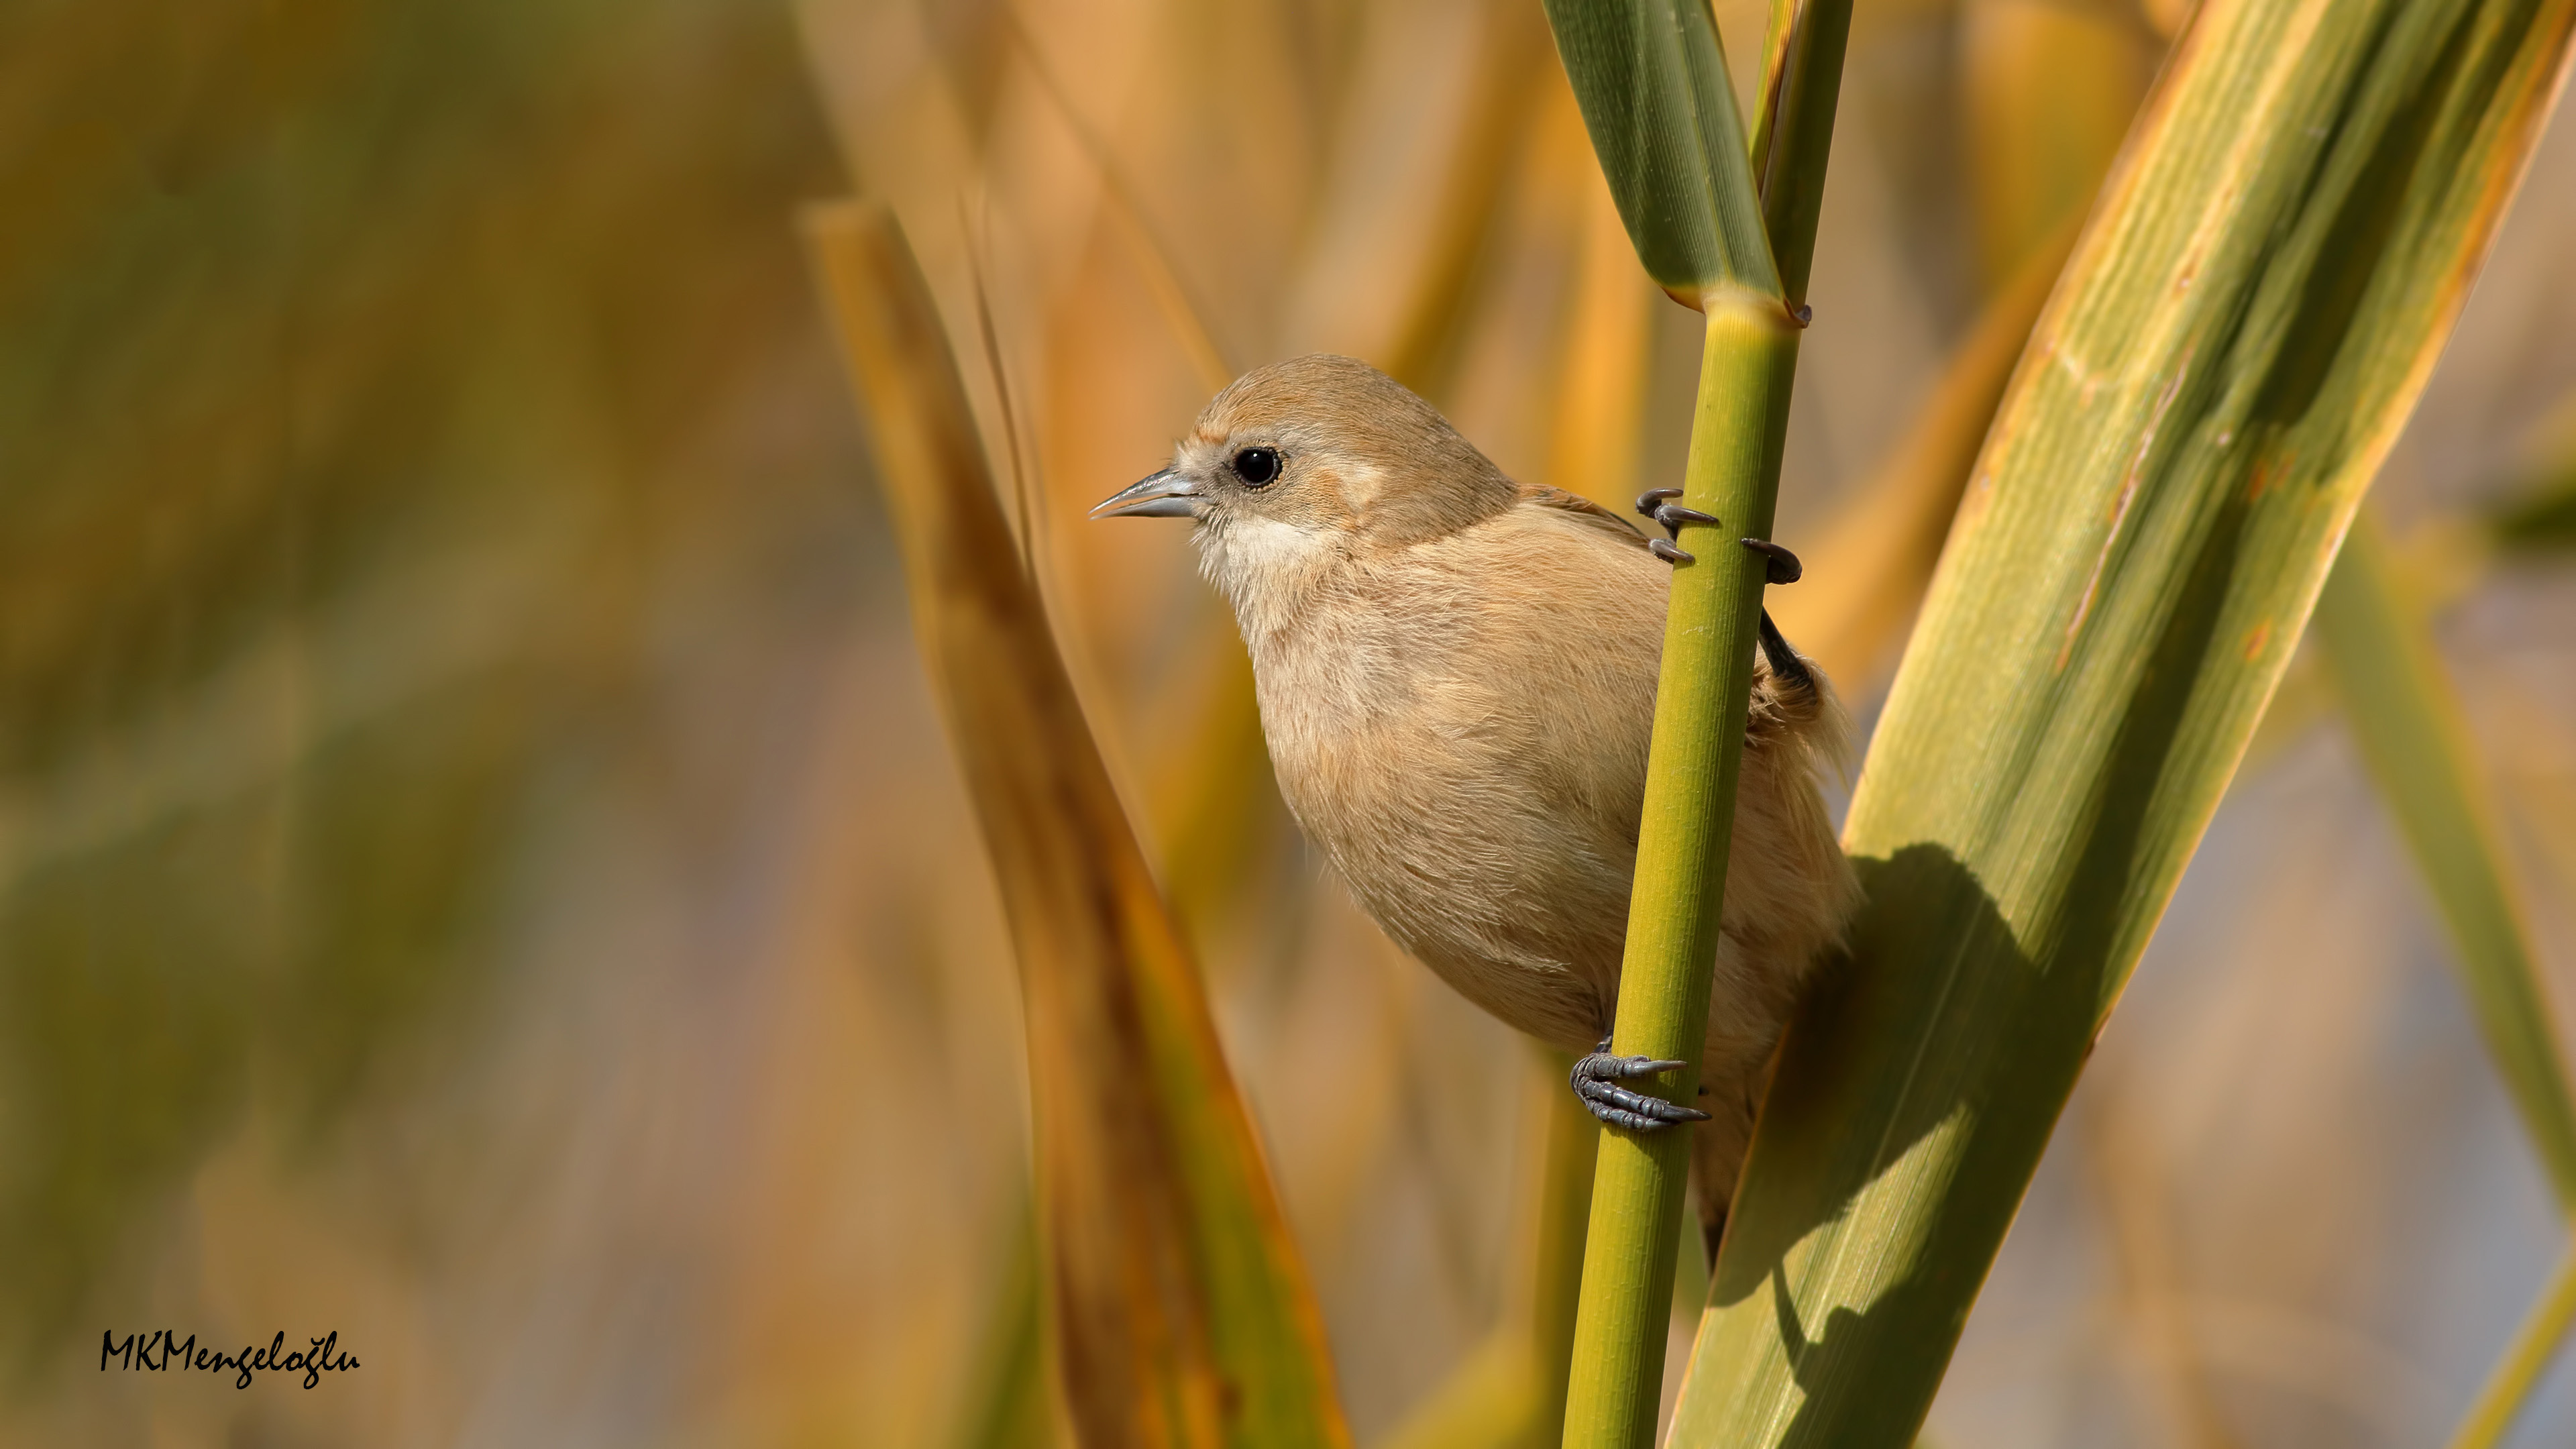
(1457,680)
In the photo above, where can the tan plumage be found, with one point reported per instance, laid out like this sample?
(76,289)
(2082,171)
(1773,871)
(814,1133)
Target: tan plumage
(1457,681)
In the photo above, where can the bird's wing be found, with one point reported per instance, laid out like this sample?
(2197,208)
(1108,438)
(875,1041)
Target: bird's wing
(1585,511)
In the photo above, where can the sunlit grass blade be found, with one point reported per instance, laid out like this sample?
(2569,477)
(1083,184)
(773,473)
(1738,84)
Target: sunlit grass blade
(2534,1346)
(1182,1313)
(2400,705)
(2250,316)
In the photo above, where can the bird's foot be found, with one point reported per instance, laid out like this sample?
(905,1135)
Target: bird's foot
(1596,1083)
(1779,566)
(1655,504)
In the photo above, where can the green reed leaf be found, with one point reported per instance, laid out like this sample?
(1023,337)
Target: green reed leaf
(2384,663)
(2245,326)
(1651,78)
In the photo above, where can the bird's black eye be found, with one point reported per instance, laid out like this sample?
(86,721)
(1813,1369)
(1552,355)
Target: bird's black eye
(1257,467)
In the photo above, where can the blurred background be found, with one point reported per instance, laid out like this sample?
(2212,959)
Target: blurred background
(480,871)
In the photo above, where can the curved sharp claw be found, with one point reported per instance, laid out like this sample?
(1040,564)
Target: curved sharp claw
(1601,1066)
(1652,503)
(1595,1080)
(1779,565)
(1668,553)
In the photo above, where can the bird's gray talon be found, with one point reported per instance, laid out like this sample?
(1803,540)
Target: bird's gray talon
(1603,1094)
(1655,503)
(1668,553)
(1779,565)
(1630,1067)
(1594,1081)
(1672,516)
(1635,1121)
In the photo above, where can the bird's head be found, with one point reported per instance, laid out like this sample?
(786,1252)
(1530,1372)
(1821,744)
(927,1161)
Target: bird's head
(1302,466)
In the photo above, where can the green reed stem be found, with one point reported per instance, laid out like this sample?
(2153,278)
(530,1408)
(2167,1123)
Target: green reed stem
(1733,473)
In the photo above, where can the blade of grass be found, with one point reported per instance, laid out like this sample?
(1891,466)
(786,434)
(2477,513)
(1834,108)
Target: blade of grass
(2386,667)
(1024,512)
(2519,1371)
(1210,815)
(2248,320)
(1182,1313)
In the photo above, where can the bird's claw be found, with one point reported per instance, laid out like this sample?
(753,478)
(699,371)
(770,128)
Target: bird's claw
(1669,553)
(1779,566)
(1596,1078)
(1672,516)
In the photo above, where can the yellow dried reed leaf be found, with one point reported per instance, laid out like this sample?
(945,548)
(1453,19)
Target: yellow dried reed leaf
(1182,1313)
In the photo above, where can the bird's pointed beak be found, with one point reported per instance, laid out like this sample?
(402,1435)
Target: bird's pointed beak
(1164,495)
